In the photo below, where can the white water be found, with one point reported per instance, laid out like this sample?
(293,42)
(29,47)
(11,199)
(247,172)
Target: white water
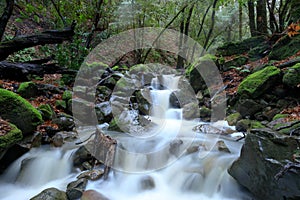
(174,174)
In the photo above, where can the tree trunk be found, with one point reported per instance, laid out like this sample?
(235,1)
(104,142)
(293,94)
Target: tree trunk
(261,17)
(240,21)
(5,16)
(251,18)
(46,37)
(294,11)
(212,25)
(21,71)
(272,19)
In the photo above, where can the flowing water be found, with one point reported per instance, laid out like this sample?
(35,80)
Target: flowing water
(170,163)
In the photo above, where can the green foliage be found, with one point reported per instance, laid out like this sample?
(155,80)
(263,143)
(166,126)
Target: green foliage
(24,55)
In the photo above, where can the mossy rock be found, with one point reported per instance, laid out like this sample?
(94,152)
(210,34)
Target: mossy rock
(280,116)
(28,89)
(237,48)
(67,95)
(259,52)
(237,62)
(18,111)
(247,124)
(113,126)
(233,118)
(10,138)
(286,47)
(51,194)
(291,78)
(259,82)
(46,111)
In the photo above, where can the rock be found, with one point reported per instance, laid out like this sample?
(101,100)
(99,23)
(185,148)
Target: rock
(246,124)
(291,77)
(103,112)
(93,195)
(191,111)
(278,116)
(47,111)
(235,62)
(205,113)
(65,122)
(20,112)
(50,194)
(61,104)
(208,128)
(222,146)
(58,140)
(285,47)
(247,107)
(147,183)
(67,95)
(259,82)
(92,174)
(233,48)
(233,118)
(36,140)
(143,99)
(260,51)
(283,127)
(269,113)
(175,147)
(28,90)
(103,92)
(76,188)
(80,156)
(11,137)
(263,156)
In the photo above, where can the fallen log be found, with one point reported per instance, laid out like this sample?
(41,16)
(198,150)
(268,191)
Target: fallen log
(21,71)
(25,41)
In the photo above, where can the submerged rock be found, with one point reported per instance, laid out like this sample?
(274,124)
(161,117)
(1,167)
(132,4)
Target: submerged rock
(76,188)
(51,194)
(263,156)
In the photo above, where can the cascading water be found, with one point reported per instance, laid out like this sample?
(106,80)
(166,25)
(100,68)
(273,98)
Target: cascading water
(162,165)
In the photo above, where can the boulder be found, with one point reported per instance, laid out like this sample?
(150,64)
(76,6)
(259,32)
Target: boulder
(92,175)
(18,111)
(291,77)
(235,62)
(50,194)
(285,47)
(191,111)
(47,111)
(147,183)
(244,125)
(76,188)
(233,118)
(28,89)
(103,112)
(11,137)
(259,82)
(93,195)
(247,107)
(263,158)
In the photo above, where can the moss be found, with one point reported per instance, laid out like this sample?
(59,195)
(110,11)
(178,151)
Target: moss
(67,95)
(233,118)
(236,62)
(61,104)
(257,83)
(10,138)
(247,124)
(28,89)
(292,76)
(287,131)
(285,47)
(19,111)
(47,111)
(279,116)
(113,126)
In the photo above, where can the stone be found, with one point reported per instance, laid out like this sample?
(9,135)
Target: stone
(47,111)
(65,122)
(20,112)
(91,175)
(147,183)
(93,195)
(246,124)
(58,140)
(191,111)
(205,113)
(233,118)
(80,156)
(28,89)
(235,62)
(285,47)
(259,82)
(247,107)
(11,137)
(291,77)
(76,188)
(262,157)
(50,194)
(222,146)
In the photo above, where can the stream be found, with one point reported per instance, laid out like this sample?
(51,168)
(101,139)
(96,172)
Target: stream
(170,162)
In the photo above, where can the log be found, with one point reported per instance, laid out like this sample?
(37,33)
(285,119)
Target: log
(21,71)
(25,41)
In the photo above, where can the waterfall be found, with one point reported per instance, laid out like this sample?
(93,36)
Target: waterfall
(161,166)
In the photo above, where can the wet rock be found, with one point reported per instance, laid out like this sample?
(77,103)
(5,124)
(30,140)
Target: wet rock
(80,156)
(210,129)
(143,99)
(36,140)
(76,188)
(65,122)
(92,174)
(222,146)
(191,111)
(259,82)
(175,147)
(58,140)
(205,113)
(19,112)
(104,112)
(147,183)
(263,156)
(93,195)
(50,194)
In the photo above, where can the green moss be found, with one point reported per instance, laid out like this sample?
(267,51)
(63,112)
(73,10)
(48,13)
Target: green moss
(285,47)
(257,83)
(249,124)
(279,116)
(10,138)
(287,131)
(47,111)
(292,76)
(233,118)
(67,95)
(19,111)
(60,104)
(113,126)
(236,62)
(28,89)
